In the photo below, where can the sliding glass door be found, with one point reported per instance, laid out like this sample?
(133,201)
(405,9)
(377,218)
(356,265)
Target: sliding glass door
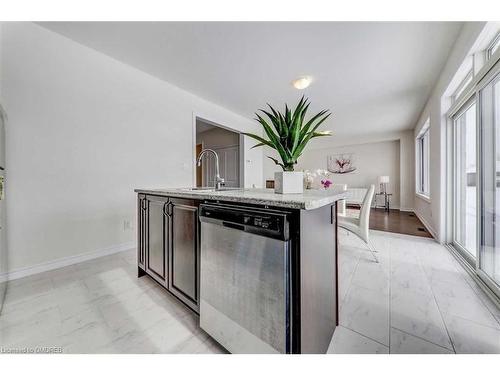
(489,245)
(465,181)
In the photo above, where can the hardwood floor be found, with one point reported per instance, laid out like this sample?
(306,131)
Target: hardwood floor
(394,221)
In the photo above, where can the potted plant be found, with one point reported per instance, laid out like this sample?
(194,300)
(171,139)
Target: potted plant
(289,135)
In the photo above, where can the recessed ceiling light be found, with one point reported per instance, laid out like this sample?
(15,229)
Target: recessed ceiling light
(301,83)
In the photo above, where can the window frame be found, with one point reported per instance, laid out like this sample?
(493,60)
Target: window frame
(464,252)
(422,150)
(491,46)
(461,88)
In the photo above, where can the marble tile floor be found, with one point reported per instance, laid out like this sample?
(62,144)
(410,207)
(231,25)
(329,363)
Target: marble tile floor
(99,306)
(416,300)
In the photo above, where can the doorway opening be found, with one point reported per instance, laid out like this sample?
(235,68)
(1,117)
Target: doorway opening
(227,144)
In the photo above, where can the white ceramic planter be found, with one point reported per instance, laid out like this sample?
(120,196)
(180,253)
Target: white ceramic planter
(288,182)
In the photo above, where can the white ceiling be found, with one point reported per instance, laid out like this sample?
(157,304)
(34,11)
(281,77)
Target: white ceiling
(374,76)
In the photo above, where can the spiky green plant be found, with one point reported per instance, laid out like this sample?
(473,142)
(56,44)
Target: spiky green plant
(291,132)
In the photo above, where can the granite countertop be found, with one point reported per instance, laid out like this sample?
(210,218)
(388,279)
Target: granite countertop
(308,200)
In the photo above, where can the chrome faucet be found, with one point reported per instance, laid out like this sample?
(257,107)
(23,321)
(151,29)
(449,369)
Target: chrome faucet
(219,181)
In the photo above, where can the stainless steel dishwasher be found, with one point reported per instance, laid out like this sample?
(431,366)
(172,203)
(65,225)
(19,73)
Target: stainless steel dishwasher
(245,278)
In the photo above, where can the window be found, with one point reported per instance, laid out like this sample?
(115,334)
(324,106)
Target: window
(493,47)
(489,231)
(474,161)
(465,180)
(423,159)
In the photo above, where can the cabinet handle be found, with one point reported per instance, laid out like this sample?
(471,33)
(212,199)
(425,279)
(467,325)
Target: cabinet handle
(144,205)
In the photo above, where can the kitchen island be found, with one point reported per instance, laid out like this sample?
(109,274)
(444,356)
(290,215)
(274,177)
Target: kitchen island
(259,268)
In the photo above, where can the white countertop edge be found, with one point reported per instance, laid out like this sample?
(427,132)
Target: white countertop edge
(309,200)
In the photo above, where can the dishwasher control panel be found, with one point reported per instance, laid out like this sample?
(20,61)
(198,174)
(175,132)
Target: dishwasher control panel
(250,219)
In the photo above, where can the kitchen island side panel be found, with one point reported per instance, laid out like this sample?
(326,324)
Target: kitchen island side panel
(317,278)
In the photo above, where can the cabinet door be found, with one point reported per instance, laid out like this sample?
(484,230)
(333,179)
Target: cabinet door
(184,251)
(142,219)
(157,239)
(230,165)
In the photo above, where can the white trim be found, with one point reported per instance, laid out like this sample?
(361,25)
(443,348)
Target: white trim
(64,262)
(472,273)
(428,226)
(422,160)
(489,52)
(423,197)
(407,209)
(474,85)
(463,85)
(393,207)
(381,207)
(403,235)
(426,126)
(209,119)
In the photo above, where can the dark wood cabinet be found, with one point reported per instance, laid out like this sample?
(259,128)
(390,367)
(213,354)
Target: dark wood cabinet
(168,245)
(142,211)
(157,239)
(184,251)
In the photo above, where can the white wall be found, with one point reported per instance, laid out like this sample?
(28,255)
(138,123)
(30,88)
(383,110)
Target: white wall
(407,170)
(432,212)
(376,155)
(84,130)
(371,160)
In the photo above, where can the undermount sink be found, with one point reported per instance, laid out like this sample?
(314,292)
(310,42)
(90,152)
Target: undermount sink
(198,189)
(206,188)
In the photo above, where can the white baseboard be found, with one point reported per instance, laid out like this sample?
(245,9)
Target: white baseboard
(404,209)
(427,226)
(63,262)
(407,209)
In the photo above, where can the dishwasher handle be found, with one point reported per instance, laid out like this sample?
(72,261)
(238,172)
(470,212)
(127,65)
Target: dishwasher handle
(233,225)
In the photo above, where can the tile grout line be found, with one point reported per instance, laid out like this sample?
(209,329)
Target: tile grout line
(459,268)
(476,293)
(349,289)
(475,322)
(347,293)
(495,318)
(350,284)
(437,305)
(365,336)
(420,338)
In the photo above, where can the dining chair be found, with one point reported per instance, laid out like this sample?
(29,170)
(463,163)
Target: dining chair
(359,226)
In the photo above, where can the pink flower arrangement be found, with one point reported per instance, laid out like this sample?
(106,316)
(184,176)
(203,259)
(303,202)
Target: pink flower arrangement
(326,183)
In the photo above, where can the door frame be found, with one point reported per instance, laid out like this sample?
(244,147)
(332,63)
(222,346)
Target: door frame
(491,76)
(487,74)
(453,218)
(196,166)
(206,118)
